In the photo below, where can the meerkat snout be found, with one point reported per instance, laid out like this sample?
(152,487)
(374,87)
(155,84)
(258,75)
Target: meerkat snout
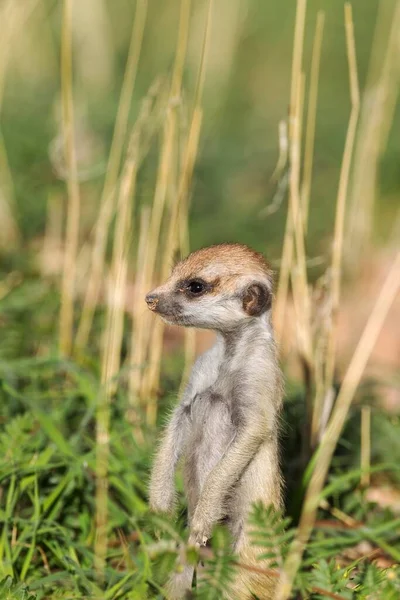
(218,287)
(152,301)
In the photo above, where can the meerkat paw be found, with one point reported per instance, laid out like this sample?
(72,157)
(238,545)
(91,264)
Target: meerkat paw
(198,535)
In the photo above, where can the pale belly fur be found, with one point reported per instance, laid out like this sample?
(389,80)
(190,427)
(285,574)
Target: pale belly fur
(210,435)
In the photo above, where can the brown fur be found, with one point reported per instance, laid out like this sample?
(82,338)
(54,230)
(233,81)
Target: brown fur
(227,258)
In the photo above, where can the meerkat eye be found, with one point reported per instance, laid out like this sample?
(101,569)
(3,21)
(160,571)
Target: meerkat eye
(196,287)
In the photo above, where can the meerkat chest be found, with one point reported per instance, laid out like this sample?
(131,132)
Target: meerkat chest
(211,433)
(209,409)
(211,414)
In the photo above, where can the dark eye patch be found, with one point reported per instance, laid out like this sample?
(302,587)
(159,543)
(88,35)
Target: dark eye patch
(194,288)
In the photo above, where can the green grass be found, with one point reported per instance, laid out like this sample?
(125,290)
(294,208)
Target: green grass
(47,486)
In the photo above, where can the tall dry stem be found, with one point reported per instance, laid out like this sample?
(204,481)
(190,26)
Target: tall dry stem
(140,319)
(113,335)
(110,183)
(378,107)
(137,358)
(365,445)
(287,252)
(190,334)
(178,216)
(145,334)
(13,16)
(72,228)
(337,252)
(168,138)
(53,237)
(330,438)
(299,266)
(311,117)
(9,231)
(145,331)
(192,148)
(171,243)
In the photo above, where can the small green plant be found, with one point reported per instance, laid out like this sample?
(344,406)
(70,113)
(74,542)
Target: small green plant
(14,591)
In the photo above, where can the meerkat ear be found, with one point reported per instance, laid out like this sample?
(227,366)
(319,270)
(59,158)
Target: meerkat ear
(256,299)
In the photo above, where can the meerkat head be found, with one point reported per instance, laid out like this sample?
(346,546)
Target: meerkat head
(219,287)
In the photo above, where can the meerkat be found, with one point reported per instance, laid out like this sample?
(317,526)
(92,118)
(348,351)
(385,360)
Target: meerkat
(226,424)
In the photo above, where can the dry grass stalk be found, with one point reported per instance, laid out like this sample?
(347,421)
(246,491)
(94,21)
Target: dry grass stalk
(283,152)
(287,252)
(13,16)
(190,333)
(112,344)
(280,173)
(171,244)
(338,514)
(193,139)
(110,183)
(138,347)
(184,243)
(390,80)
(365,445)
(149,339)
(96,62)
(283,282)
(72,227)
(53,237)
(337,252)
(299,268)
(379,102)
(136,359)
(8,15)
(331,436)
(321,326)
(117,279)
(169,134)
(297,60)
(140,318)
(181,48)
(299,272)
(151,375)
(203,58)
(10,234)
(145,333)
(175,238)
(311,116)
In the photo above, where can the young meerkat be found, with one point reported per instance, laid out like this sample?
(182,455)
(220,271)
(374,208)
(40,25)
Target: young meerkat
(226,424)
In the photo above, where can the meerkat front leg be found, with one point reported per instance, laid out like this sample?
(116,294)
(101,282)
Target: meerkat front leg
(162,482)
(211,504)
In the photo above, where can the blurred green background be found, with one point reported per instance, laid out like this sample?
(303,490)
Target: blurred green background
(247,93)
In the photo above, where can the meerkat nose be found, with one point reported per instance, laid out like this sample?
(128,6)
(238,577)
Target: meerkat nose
(152,301)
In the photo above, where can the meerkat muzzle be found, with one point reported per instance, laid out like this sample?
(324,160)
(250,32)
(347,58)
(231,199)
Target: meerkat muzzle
(152,301)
